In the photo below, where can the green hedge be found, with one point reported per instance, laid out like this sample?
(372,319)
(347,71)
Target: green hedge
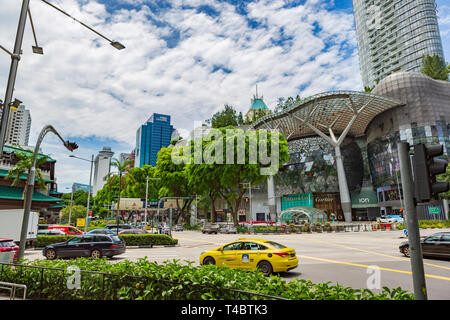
(191,282)
(130,240)
(426,224)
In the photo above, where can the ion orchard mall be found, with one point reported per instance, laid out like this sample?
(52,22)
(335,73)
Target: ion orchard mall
(343,150)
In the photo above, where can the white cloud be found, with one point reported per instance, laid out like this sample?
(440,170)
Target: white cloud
(85,87)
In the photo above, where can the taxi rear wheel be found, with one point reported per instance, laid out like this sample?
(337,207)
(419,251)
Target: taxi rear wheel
(265,267)
(209,260)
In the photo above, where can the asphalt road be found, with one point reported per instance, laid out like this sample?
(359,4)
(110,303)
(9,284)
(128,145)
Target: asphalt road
(347,258)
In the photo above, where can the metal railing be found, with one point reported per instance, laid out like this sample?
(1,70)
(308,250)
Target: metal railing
(12,289)
(110,286)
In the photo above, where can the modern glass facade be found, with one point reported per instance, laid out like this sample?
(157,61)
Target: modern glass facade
(312,167)
(155,134)
(394,35)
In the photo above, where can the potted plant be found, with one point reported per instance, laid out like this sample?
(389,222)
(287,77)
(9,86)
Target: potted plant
(328,226)
(306,227)
(318,227)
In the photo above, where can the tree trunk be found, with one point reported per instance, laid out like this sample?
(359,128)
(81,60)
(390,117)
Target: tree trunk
(213,209)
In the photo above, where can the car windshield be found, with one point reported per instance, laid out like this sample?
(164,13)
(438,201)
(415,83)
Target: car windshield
(275,245)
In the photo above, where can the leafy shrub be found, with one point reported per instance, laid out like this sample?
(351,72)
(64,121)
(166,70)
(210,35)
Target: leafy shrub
(149,280)
(192,227)
(130,239)
(426,224)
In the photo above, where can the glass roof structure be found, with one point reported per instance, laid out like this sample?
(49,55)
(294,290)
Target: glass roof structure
(300,215)
(330,113)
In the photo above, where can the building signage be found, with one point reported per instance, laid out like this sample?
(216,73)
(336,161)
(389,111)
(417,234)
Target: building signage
(130,204)
(434,210)
(164,119)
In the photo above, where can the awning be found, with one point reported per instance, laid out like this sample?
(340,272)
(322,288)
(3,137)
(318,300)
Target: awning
(299,215)
(4,173)
(366,198)
(15,193)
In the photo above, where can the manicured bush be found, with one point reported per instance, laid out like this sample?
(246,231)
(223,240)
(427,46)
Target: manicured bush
(130,240)
(149,280)
(192,227)
(426,224)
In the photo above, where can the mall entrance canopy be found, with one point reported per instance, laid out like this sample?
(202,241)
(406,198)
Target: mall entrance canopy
(300,215)
(332,116)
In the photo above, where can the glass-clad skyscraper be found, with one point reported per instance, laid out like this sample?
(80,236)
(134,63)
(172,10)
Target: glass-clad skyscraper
(155,134)
(394,35)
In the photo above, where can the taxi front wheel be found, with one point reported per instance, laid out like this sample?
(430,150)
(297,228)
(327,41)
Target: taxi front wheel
(265,267)
(209,260)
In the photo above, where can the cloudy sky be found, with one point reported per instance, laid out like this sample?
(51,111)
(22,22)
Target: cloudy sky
(186,58)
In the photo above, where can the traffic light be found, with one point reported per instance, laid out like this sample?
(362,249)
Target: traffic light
(425,170)
(71,145)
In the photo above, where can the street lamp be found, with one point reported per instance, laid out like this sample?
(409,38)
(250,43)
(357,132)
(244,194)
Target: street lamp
(71,202)
(30,183)
(15,58)
(89,191)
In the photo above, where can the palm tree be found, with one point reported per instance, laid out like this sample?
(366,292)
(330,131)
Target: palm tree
(24,166)
(119,177)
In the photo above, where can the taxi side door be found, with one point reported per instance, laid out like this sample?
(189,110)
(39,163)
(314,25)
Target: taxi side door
(250,255)
(229,255)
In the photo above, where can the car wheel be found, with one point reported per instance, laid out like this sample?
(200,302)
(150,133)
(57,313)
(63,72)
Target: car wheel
(50,254)
(265,267)
(96,253)
(209,260)
(406,251)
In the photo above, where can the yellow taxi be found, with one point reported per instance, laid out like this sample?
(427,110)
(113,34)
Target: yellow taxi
(266,255)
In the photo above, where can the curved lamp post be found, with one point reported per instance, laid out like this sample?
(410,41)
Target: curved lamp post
(30,183)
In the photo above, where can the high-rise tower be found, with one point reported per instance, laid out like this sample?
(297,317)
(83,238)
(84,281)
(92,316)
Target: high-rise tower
(155,134)
(394,35)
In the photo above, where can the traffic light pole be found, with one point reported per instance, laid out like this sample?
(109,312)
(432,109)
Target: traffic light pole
(415,249)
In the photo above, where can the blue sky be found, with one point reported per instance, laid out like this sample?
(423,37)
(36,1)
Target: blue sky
(186,58)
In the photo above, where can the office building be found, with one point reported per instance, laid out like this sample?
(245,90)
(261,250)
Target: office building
(394,35)
(155,134)
(102,166)
(19,126)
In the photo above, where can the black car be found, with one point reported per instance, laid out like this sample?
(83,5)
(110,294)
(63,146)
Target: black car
(86,245)
(436,245)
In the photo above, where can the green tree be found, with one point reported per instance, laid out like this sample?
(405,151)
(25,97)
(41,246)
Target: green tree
(23,165)
(445,177)
(435,67)
(78,212)
(228,180)
(174,182)
(283,104)
(119,178)
(224,118)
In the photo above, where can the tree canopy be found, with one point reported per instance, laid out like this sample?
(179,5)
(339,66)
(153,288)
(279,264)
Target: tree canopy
(227,117)
(435,67)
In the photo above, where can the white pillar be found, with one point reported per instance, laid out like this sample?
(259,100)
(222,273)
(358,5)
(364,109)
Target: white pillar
(445,202)
(346,202)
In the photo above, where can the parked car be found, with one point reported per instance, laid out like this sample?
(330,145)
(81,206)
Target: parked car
(7,245)
(436,245)
(88,245)
(209,227)
(51,232)
(178,227)
(228,229)
(101,231)
(268,256)
(66,229)
(132,231)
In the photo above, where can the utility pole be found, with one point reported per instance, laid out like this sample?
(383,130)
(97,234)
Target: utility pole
(415,248)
